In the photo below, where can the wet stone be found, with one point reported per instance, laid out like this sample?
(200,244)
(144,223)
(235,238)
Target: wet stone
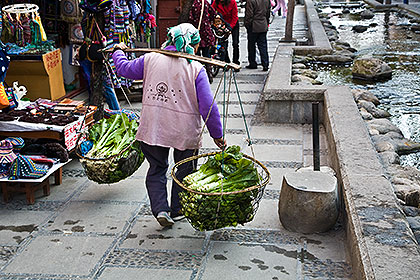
(6,253)
(112,273)
(170,259)
(257,236)
(220,257)
(68,256)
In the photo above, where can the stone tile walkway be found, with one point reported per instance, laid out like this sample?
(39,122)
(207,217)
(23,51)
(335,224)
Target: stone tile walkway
(88,231)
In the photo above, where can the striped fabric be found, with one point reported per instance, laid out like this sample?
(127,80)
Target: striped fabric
(25,168)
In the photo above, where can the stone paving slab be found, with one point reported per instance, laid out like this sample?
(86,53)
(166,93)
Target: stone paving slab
(132,190)
(249,261)
(266,217)
(92,217)
(247,97)
(282,152)
(236,109)
(238,123)
(61,192)
(147,234)
(277,177)
(128,273)
(280,131)
(241,87)
(15,225)
(58,255)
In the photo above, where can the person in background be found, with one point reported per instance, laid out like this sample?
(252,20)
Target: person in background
(228,9)
(257,16)
(207,37)
(176,96)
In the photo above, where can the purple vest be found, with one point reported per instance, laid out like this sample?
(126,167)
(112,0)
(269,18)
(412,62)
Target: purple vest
(170,116)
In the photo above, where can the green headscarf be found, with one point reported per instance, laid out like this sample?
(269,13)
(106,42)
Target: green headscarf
(183,36)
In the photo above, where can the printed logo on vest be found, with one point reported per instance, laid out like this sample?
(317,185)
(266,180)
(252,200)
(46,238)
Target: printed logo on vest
(161,90)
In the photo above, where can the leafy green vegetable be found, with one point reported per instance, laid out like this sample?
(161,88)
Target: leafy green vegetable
(227,171)
(110,137)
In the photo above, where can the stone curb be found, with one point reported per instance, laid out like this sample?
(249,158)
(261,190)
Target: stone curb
(320,43)
(378,232)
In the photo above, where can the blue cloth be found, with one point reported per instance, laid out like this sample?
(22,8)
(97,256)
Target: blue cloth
(85,147)
(4,62)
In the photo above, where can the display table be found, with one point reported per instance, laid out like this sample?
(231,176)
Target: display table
(68,133)
(29,186)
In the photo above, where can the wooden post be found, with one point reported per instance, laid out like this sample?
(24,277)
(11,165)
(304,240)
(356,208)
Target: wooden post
(97,78)
(288,37)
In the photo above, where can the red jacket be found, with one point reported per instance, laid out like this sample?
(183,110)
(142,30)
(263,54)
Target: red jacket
(229,12)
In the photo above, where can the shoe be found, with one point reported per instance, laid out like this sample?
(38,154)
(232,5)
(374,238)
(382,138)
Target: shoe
(178,218)
(164,219)
(251,67)
(265,69)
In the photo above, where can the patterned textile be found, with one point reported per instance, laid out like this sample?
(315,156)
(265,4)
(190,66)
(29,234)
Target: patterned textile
(207,36)
(7,157)
(131,115)
(183,36)
(116,31)
(17,143)
(11,96)
(4,63)
(24,168)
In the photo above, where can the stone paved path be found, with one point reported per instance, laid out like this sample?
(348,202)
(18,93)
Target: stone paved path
(88,231)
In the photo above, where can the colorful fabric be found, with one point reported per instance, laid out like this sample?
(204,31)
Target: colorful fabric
(183,36)
(24,168)
(131,115)
(7,157)
(4,62)
(11,96)
(4,101)
(207,36)
(17,143)
(116,31)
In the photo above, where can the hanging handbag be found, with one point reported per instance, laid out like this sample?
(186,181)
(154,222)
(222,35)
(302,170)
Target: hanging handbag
(98,42)
(92,44)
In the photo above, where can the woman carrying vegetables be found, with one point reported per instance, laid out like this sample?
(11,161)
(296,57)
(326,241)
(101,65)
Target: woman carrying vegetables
(176,95)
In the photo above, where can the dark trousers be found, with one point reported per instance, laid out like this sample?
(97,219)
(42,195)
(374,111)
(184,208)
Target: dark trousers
(156,179)
(235,45)
(259,38)
(203,51)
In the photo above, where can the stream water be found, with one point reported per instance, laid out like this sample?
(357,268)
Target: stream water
(390,39)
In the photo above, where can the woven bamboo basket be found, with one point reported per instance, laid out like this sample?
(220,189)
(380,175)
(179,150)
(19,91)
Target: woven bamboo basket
(114,168)
(210,211)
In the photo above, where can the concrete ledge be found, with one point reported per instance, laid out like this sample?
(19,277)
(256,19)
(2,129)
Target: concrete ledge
(320,43)
(282,67)
(380,241)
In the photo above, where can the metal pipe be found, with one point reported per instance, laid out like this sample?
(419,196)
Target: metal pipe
(315,135)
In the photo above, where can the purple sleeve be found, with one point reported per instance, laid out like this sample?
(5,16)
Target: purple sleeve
(205,99)
(131,69)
